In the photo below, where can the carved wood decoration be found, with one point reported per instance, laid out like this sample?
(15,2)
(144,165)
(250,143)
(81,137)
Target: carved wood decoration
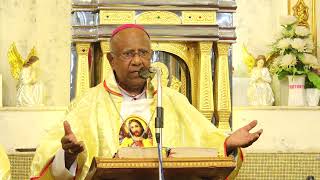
(174,168)
(222,87)
(83,82)
(301,11)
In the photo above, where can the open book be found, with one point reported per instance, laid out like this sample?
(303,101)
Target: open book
(192,152)
(180,152)
(139,152)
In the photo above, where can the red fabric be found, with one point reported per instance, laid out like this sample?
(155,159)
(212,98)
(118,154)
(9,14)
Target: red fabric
(89,58)
(109,90)
(225,147)
(155,92)
(127,26)
(44,170)
(225,151)
(241,155)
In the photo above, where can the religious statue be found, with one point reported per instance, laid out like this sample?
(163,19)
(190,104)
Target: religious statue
(259,90)
(29,88)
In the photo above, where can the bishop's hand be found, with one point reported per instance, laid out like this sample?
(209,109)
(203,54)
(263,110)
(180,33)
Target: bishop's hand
(242,137)
(71,146)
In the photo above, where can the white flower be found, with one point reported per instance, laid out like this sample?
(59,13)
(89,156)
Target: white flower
(288,60)
(275,65)
(302,31)
(284,43)
(309,45)
(288,32)
(287,20)
(278,35)
(298,44)
(310,59)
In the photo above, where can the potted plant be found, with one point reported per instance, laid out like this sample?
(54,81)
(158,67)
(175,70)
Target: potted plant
(291,57)
(312,86)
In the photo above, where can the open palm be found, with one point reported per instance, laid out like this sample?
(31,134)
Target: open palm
(242,137)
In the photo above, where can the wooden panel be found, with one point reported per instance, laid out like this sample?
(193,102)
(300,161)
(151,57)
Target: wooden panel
(116,17)
(199,17)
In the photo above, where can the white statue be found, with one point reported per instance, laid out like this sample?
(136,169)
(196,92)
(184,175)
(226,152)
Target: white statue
(29,89)
(259,90)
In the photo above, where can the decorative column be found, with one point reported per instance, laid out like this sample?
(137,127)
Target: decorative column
(205,88)
(83,83)
(183,88)
(105,65)
(222,88)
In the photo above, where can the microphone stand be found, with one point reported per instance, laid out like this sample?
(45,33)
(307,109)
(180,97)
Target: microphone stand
(159,122)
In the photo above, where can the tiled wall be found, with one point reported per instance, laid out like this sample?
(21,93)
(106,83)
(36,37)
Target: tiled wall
(284,166)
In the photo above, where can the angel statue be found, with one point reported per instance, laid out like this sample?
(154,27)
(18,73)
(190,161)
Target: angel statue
(29,88)
(259,91)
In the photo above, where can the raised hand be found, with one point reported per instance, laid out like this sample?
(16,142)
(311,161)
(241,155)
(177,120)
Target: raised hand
(71,146)
(242,137)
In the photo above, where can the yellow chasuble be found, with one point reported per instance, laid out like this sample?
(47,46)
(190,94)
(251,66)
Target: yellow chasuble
(95,120)
(4,165)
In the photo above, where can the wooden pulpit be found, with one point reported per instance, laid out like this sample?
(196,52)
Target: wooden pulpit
(147,169)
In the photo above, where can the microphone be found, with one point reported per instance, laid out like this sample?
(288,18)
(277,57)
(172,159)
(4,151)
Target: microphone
(146,73)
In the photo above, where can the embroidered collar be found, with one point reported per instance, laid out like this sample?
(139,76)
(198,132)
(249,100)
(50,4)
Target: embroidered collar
(128,96)
(111,86)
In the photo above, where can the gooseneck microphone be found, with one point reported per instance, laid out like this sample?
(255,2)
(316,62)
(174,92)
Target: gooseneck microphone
(149,73)
(146,73)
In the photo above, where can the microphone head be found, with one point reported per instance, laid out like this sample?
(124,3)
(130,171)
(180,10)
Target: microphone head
(146,73)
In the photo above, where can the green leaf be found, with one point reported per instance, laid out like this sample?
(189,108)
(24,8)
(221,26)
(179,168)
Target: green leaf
(314,78)
(308,84)
(282,74)
(300,56)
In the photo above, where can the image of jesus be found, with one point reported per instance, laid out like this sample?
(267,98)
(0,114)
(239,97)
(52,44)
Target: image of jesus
(138,136)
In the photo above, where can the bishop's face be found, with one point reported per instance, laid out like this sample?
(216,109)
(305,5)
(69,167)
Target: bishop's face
(131,51)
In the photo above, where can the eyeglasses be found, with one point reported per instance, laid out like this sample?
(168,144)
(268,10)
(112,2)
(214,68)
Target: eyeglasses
(143,54)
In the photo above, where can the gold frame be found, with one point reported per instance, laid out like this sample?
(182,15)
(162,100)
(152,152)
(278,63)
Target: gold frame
(313,20)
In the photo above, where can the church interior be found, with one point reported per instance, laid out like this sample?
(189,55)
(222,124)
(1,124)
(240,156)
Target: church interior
(208,50)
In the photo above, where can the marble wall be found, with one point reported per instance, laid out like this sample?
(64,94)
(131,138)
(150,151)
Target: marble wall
(318,27)
(15,127)
(0,90)
(45,25)
(285,129)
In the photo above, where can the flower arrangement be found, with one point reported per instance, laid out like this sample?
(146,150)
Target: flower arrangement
(291,53)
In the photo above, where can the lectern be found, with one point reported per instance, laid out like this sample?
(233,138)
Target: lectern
(174,168)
